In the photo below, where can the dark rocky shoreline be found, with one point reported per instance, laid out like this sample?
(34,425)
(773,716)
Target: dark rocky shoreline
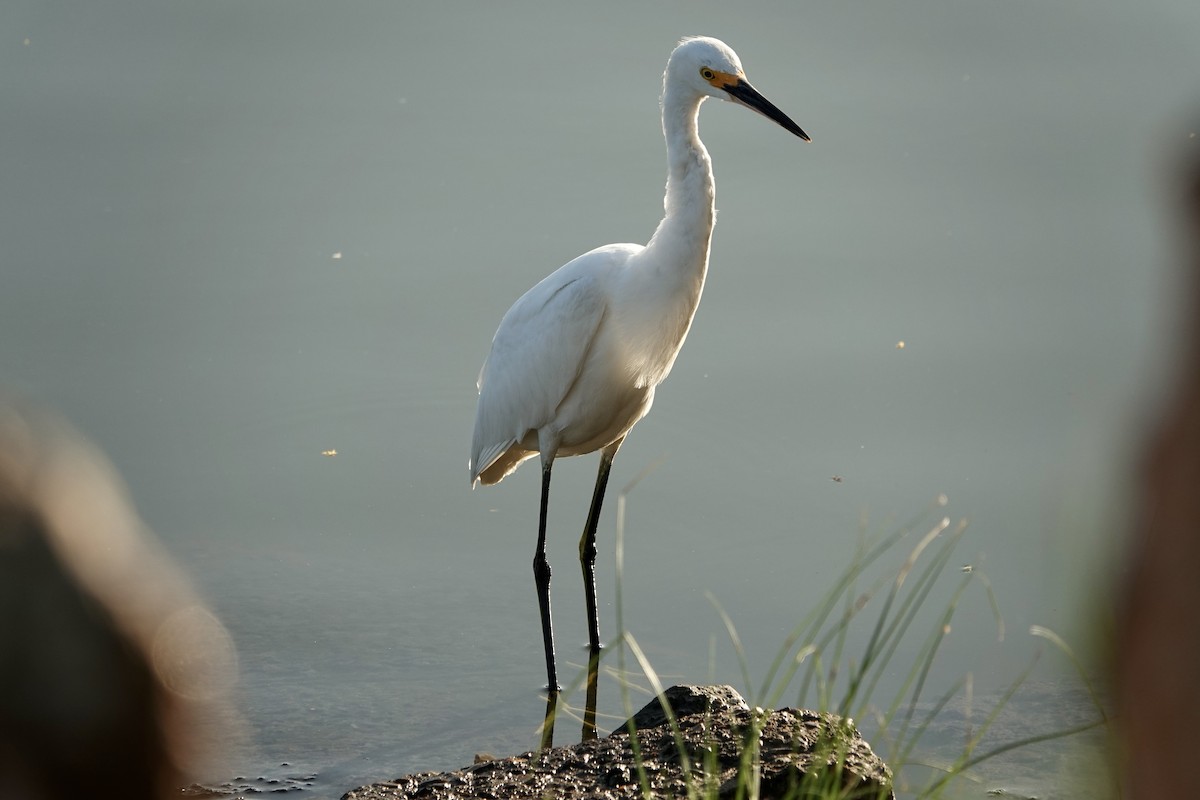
(716,739)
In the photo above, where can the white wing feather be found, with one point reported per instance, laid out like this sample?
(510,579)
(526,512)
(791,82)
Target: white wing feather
(537,355)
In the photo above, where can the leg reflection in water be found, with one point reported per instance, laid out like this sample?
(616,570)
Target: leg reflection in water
(589,709)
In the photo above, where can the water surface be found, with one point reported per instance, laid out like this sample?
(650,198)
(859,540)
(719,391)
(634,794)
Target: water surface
(239,235)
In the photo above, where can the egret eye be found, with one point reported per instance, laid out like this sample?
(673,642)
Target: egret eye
(707,73)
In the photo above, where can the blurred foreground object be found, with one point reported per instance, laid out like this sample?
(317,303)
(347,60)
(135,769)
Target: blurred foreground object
(106,656)
(1157,656)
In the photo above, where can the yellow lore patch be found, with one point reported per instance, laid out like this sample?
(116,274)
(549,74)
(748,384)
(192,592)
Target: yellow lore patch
(721,80)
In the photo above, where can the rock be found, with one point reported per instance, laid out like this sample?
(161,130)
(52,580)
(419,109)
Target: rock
(793,747)
(685,701)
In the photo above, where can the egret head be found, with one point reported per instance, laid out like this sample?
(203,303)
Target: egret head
(710,68)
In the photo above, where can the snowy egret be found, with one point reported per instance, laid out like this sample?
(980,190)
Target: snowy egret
(574,362)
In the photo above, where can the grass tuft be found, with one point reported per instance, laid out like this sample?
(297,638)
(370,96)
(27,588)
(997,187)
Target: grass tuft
(812,663)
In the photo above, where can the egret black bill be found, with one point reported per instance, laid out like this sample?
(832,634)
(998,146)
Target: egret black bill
(742,92)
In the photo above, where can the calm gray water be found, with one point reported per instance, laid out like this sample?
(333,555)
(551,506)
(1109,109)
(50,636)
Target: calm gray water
(236,235)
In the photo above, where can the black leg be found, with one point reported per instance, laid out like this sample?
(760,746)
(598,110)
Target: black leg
(541,578)
(587,551)
(587,559)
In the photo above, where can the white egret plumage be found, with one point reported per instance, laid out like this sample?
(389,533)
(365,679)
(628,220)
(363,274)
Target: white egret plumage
(574,362)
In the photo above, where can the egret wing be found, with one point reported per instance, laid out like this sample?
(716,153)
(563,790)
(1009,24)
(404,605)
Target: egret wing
(537,355)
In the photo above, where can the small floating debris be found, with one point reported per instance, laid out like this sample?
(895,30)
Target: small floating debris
(900,345)
(329,453)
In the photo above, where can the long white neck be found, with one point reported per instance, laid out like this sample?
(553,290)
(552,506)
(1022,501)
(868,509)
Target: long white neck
(667,278)
(682,238)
